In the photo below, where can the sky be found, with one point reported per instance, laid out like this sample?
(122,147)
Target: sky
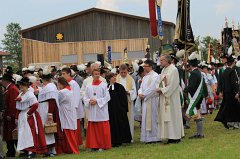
(207,16)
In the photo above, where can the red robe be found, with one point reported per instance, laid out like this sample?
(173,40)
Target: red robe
(9,97)
(59,136)
(40,146)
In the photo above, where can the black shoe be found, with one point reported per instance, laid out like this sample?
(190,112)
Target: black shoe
(196,137)
(173,141)
(33,155)
(226,125)
(186,127)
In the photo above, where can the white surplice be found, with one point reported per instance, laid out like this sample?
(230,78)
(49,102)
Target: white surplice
(48,92)
(25,138)
(98,112)
(66,110)
(148,89)
(131,97)
(77,99)
(170,123)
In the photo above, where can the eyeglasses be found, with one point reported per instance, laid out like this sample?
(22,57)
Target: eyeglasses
(146,66)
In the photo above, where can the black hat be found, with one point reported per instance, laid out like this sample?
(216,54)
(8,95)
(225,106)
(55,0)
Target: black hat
(140,70)
(89,63)
(230,59)
(74,68)
(193,61)
(173,56)
(224,56)
(8,77)
(24,81)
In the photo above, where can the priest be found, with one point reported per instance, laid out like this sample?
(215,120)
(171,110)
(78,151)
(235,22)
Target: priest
(128,83)
(149,97)
(170,123)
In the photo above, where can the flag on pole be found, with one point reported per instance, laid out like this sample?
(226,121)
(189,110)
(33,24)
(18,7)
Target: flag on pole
(109,54)
(183,31)
(153,20)
(160,24)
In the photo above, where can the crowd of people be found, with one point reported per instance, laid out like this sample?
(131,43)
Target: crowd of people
(102,103)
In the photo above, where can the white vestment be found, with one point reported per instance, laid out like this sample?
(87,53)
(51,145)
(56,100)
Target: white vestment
(148,89)
(77,99)
(170,123)
(48,92)
(67,110)
(98,112)
(25,137)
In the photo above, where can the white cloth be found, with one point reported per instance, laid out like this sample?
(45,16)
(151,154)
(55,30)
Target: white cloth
(77,99)
(150,94)
(98,112)
(25,138)
(67,110)
(48,92)
(131,98)
(170,124)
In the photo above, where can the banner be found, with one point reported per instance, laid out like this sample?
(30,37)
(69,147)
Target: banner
(109,54)
(160,25)
(183,32)
(152,15)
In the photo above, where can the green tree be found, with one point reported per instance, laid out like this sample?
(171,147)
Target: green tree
(12,44)
(205,41)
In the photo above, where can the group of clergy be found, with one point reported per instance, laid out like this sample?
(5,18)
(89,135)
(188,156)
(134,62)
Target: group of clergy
(106,102)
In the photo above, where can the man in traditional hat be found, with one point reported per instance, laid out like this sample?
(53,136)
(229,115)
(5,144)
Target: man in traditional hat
(195,90)
(229,113)
(10,95)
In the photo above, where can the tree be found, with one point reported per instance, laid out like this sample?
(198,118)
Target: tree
(205,46)
(12,44)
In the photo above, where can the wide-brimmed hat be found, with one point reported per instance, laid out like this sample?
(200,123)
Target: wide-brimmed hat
(24,81)
(8,77)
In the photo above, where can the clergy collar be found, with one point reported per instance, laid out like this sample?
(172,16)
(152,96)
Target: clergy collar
(96,83)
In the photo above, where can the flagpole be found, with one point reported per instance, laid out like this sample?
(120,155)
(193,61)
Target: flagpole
(186,54)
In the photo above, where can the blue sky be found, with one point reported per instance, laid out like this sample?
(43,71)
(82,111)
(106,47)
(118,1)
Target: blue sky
(207,16)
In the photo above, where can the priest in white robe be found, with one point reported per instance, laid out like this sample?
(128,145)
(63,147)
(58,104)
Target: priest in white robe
(147,93)
(129,84)
(170,122)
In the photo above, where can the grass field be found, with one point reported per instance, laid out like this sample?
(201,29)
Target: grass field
(219,143)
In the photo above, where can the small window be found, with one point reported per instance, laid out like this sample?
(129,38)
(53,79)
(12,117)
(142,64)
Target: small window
(89,57)
(133,55)
(69,58)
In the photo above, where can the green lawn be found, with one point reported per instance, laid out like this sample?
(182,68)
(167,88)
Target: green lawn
(218,143)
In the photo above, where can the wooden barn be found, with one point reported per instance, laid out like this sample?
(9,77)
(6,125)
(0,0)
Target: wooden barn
(87,35)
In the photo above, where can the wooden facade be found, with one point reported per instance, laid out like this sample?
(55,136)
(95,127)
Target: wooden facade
(38,52)
(97,24)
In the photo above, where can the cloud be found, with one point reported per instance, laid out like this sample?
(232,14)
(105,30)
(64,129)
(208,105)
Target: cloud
(107,4)
(222,7)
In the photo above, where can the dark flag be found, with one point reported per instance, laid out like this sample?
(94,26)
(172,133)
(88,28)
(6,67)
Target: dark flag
(183,32)
(227,39)
(153,19)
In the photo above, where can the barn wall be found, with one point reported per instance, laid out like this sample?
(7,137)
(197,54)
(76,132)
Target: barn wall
(95,25)
(43,52)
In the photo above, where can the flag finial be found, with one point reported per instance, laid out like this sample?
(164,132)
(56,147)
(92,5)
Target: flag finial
(233,25)
(226,22)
